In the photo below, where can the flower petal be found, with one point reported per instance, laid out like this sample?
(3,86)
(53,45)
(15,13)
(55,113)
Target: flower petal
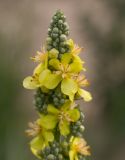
(49,137)
(66,105)
(74,114)
(75,67)
(64,127)
(85,95)
(37,143)
(69,87)
(48,79)
(52,80)
(66,58)
(72,155)
(52,109)
(48,121)
(43,76)
(39,69)
(35,152)
(30,83)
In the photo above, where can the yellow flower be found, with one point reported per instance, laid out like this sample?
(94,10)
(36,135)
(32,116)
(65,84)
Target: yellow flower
(75,49)
(78,146)
(40,56)
(83,82)
(42,135)
(32,82)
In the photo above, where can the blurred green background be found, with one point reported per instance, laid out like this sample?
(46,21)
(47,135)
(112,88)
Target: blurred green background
(96,25)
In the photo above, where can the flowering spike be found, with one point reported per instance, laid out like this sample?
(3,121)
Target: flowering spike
(58,81)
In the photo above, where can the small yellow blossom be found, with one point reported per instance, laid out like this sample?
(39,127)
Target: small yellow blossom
(75,49)
(82,81)
(42,135)
(40,56)
(78,146)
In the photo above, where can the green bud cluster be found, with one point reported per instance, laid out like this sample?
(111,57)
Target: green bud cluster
(55,151)
(42,99)
(57,33)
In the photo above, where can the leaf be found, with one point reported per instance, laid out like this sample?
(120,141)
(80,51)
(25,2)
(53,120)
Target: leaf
(55,63)
(37,143)
(64,127)
(74,114)
(52,109)
(85,95)
(30,83)
(66,58)
(49,137)
(48,121)
(69,87)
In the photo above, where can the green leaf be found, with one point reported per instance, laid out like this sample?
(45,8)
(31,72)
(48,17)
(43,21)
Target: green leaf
(64,127)
(85,95)
(55,63)
(69,87)
(74,114)
(66,58)
(48,121)
(49,137)
(52,109)
(37,143)
(30,83)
